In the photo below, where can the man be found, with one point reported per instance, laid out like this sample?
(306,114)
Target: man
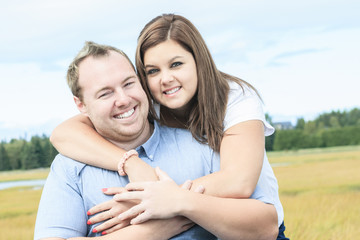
(110,94)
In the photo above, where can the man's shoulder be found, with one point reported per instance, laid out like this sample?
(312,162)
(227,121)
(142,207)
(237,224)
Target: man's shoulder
(62,163)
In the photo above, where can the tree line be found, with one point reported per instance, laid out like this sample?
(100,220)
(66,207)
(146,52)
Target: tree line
(329,129)
(337,128)
(22,154)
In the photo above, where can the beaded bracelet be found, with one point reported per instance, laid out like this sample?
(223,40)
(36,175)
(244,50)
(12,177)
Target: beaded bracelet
(122,161)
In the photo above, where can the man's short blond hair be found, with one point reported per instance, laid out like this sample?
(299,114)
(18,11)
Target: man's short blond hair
(89,49)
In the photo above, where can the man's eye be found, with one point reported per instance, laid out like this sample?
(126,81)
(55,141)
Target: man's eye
(152,71)
(128,84)
(104,94)
(176,64)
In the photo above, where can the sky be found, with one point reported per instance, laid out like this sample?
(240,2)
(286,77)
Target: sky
(302,56)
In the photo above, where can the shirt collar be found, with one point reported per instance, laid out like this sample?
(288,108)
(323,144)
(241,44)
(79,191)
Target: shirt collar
(148,149)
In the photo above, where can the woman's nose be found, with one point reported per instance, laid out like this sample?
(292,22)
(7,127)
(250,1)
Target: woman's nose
(167,77)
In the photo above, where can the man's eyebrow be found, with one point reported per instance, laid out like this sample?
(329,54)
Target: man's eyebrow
(171,59)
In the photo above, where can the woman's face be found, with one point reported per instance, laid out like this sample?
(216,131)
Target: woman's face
(171,74)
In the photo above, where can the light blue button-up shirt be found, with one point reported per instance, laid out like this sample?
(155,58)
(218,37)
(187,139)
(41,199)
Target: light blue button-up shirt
(72,187)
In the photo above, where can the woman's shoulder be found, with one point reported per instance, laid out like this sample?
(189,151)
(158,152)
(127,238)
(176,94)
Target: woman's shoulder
(238,92)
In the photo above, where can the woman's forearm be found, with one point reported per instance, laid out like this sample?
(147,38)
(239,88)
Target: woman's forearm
(231,218)
(152,230)
(76,138)
(227,218)
(241,159)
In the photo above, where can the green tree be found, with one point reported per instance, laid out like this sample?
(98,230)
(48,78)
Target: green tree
(49,151)
(300,124)
(4,158)
(14,148)
(334,122)
(32,154)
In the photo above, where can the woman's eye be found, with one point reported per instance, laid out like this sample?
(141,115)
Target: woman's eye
(176,64)
(152,71)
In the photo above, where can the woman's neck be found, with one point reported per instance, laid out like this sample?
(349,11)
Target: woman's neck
(174,117)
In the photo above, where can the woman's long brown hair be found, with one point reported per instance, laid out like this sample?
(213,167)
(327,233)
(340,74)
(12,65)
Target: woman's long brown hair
(206,117)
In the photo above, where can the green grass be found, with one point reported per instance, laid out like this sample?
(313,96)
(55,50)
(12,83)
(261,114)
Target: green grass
(319,189)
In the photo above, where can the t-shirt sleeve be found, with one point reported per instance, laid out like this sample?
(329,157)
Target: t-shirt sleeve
(61,210)
(244,105)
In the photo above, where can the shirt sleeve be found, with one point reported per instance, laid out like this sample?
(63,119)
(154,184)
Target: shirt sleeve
(61,210)
(244,105)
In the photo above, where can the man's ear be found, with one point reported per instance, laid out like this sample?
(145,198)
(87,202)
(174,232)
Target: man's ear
(80,105)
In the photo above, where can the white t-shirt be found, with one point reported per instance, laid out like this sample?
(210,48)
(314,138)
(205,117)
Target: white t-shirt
(244,105)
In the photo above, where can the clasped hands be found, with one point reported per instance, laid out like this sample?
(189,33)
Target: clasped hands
(139,202)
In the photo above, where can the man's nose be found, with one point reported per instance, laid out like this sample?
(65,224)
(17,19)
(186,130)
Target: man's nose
(121,99)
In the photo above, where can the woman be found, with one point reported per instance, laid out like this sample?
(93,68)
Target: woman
(179,75)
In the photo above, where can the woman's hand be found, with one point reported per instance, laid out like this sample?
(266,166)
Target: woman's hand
(108,212)
(159,200)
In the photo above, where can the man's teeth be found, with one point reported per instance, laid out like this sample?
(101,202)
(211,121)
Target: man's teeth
(172,90)
(127,114)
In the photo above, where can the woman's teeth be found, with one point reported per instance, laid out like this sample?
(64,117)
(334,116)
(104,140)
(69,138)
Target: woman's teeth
(172,90)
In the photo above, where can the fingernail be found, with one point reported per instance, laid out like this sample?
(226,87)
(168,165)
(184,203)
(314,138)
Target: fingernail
(88,222)
(94,230)
(104,189)
(103,233)
(88,213)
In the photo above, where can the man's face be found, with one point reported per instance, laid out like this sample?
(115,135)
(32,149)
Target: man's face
(113,98)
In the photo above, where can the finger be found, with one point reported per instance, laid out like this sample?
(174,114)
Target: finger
(114,190)
(132,212)
(106,226)
(100,208)
(134,195)
(187,185)
(142,217)
(200,189)
(187,226)
(116,227)
(136,186)
(100,217)
(161,174)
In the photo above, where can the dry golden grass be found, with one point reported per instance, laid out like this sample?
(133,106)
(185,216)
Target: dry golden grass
(319,189)
(18,208)
(320,192)
(16,175)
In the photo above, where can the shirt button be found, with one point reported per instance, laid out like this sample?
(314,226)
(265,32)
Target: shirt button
(151,157)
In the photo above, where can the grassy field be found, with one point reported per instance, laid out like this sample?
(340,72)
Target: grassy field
(320,192)
(319,189)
